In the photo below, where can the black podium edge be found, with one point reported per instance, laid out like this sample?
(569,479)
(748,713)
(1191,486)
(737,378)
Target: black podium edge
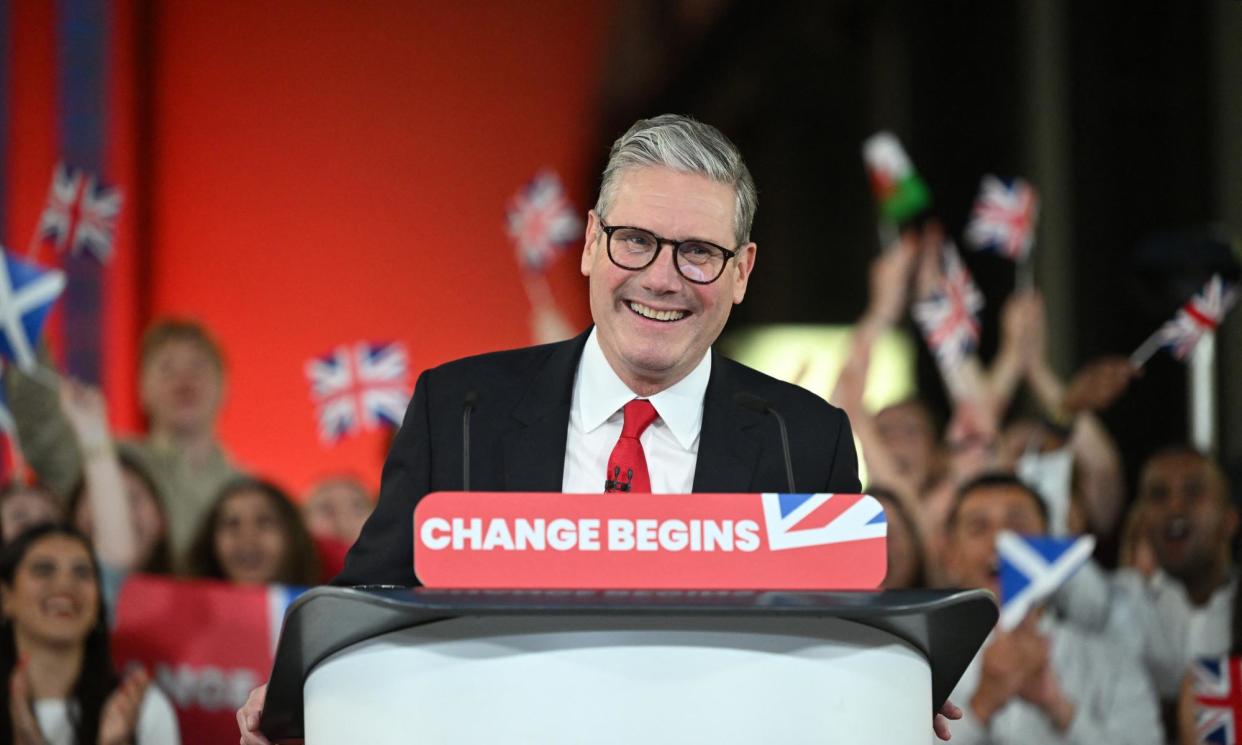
(947,626)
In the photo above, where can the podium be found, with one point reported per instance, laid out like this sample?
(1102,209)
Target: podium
(393,665)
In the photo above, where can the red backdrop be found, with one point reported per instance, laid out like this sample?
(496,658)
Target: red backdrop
(305,174)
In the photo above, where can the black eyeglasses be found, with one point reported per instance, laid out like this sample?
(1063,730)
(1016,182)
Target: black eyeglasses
(635,249)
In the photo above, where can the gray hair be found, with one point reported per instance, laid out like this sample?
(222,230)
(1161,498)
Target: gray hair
(683,144)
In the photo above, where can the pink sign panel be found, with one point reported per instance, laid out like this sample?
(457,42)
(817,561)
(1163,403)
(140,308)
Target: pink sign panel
(509,540)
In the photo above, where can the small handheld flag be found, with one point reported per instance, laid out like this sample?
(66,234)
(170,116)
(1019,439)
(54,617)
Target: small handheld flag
(948,317)
(358,387)
(901,194)
(1200,315)
(1004,218)
(1217,689)
(80,214)
(1032,568)
(541,221)
(27,292)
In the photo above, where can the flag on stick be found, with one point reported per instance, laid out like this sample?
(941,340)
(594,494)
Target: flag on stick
(1004,218)
(27,292)
(80,214)
(901,194)
(541,222)
(1032,568)
(948,317)
(362,386)
(1200,315)
(1217,689)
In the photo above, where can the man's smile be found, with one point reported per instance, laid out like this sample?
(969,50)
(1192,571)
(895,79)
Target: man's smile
(654,314)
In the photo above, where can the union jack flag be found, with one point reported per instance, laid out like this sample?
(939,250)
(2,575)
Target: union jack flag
(1004,218)
(801,520)
(80,214)
(1217,688)
(358,387)
(1201,314)
(948,317)
(541,221)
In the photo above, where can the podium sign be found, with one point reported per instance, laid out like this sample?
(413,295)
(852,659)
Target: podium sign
(507,540)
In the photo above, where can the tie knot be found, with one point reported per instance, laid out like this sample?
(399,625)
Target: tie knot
(639,414)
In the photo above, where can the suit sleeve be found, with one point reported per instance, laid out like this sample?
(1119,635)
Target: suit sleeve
(843,475)
(384,553)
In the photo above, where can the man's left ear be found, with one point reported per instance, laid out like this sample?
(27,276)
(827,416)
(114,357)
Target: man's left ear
(745,264)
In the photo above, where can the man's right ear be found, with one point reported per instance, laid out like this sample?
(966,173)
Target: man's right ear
(589,243)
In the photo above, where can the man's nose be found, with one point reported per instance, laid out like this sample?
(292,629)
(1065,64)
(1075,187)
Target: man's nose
(661,275)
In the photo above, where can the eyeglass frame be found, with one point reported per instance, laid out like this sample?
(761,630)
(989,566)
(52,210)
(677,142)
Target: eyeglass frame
(608,230)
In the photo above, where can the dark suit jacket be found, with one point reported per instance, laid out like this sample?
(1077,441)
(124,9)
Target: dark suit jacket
(520,422)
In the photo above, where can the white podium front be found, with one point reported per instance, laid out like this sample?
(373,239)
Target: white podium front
(418,666)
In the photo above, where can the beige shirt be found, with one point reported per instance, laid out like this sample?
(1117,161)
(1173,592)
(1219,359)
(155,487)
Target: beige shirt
(48,444)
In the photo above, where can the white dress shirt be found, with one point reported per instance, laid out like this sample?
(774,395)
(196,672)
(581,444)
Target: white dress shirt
(1154,618)
(670,444)
(1114,703)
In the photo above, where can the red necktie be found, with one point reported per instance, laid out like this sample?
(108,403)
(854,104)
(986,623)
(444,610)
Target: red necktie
(627,466)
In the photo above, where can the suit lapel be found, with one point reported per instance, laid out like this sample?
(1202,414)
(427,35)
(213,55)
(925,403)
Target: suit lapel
(728,451)
(535,448)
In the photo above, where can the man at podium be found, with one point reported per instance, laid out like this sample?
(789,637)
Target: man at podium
(639,402)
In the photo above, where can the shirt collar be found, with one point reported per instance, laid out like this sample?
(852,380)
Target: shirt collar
(680,406)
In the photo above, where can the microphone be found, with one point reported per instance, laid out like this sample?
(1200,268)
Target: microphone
(466,408)
(754,403)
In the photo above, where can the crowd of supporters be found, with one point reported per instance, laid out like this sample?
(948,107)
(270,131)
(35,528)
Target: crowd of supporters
(1108,660)
(99,508)
(1112,658)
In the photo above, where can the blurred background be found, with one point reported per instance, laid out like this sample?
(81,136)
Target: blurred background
(303,175)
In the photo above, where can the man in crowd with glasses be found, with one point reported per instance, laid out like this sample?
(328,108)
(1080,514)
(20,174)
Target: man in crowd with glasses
(667,254)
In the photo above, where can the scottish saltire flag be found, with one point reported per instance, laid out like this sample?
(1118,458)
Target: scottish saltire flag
(1201,314)
(27,292)
(1004,218)
(901,194)
(801,520)
(362,386)
(1032,568)
(541,221)
(1217,690)
(80,213)
(948,317)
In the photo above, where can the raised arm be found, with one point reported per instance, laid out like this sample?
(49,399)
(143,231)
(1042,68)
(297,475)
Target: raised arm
(113,533)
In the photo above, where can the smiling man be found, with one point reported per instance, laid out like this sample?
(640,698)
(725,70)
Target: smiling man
(639,402)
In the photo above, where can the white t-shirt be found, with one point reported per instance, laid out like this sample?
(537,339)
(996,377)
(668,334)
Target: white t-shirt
(157,722)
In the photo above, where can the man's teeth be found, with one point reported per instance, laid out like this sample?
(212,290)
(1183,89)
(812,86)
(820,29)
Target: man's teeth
(657,315)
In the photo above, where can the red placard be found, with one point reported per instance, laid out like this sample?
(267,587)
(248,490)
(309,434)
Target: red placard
(508,540)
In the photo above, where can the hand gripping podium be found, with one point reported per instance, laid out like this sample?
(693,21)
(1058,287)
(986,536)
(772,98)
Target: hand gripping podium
(581,666)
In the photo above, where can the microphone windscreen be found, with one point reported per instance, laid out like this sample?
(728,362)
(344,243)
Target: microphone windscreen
(751,401)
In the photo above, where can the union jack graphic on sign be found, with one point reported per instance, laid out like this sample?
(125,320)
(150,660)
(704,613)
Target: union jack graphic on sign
(1217,687)
(948,317)
(80,213)
(1201,314)
(1004,218)
(541,221)
(358,387)
(801,520)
